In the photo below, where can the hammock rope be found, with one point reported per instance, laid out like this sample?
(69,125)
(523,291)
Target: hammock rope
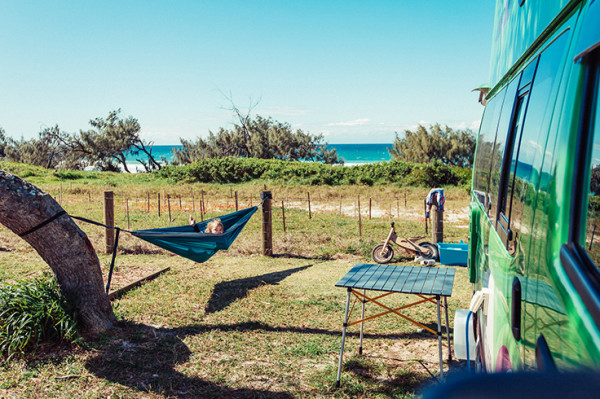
(184,241)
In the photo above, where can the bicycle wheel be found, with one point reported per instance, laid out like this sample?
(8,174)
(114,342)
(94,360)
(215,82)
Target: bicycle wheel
(381,254)
(430,251)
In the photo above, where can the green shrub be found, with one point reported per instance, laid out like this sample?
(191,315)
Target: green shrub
(23,170)
(239,170)
(73,174)
(433,174)
(32,312)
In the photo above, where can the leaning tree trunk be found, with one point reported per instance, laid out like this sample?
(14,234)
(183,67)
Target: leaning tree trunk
(62,245)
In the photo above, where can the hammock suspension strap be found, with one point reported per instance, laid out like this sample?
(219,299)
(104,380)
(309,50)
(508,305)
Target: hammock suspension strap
(114,252)
(112,262)
(45,222)
(99,224)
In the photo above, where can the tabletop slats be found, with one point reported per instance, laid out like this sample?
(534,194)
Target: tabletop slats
(402,279)
(375,277)
(420,281)
(448,283)
(428,286)
(391,281)
(385,276)
(353,276)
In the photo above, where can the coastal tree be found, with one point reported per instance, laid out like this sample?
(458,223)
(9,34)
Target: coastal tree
(452,147)
(258,137)
(2,142)
(62,245)
(105,146)
(47,150)
(108,143)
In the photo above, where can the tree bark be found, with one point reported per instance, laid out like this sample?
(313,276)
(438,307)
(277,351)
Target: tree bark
(62,245)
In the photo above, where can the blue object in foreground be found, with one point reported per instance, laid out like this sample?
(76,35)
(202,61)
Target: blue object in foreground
(453,254)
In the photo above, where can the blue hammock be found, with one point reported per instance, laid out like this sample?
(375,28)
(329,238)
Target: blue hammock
(199,247)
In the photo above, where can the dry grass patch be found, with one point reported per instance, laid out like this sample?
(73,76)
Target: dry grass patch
(239,325)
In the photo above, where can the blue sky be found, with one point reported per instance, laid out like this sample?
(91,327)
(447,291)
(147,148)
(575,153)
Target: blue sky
(355,71)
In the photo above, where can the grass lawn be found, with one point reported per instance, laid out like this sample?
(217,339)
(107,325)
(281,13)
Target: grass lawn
(240,324)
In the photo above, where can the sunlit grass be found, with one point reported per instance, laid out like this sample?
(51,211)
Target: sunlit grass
(239,325)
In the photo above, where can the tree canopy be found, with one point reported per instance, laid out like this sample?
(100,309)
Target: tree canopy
(103,147)
(263,138)
(46,150)
(452,147)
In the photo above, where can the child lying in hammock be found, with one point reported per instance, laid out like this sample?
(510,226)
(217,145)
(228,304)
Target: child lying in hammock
(214,226)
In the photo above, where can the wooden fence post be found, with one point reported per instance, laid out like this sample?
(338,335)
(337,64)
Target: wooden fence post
(89,197)
(180,208)
(109,220)
(425,213)
(437,223)
(309,211)
(236,201)
(359,219)
(267,228)
(127,206)
(592,240)
(169,207)
(283,214)
(202,207)
(405,206)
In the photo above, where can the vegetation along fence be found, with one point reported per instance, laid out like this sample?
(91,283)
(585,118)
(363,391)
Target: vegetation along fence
(304,220)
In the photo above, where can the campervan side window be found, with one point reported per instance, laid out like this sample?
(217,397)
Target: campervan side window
(592,236)
(485,148)
(527,139)
(499,147)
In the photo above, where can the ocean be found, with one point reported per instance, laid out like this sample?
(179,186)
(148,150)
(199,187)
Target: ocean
(352,154)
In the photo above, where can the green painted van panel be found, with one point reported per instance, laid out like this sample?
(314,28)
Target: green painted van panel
(550,303)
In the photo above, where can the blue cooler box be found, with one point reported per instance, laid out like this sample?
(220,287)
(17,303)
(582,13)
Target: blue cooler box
(453,254)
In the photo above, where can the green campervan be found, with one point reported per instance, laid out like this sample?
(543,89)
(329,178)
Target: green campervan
(534,248)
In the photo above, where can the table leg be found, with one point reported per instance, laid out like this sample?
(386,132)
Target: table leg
(363,300)
(447,329)
(339,373)
(439,334)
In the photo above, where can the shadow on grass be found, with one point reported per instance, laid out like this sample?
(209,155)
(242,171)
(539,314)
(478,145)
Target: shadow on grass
(227,292)
(288,255)
(362,376)
(147,358)
(259,326)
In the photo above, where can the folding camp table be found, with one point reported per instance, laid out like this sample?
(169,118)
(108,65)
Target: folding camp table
(430,284)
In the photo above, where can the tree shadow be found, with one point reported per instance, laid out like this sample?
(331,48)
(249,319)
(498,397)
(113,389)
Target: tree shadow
(400,384)
(288,255)
(148,359)
(227,292)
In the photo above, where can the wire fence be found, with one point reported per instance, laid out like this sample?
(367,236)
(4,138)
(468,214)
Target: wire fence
(354,215)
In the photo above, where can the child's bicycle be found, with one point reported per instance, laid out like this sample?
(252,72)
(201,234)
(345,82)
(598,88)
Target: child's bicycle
(383,253)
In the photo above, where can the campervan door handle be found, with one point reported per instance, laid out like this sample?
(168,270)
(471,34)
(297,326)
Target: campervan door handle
(515,314)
